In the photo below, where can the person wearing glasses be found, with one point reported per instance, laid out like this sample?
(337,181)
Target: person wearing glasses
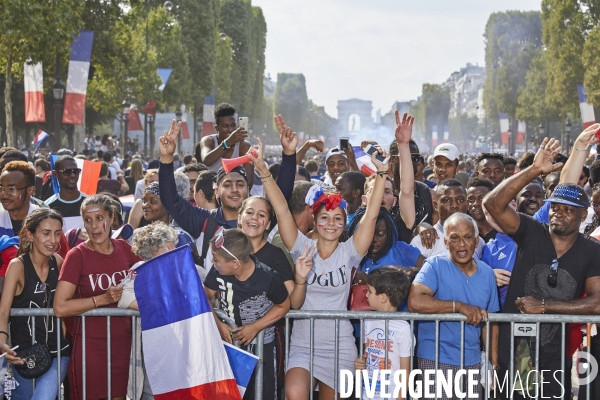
(17,185)
(31,283)
(68,200)
(553,265)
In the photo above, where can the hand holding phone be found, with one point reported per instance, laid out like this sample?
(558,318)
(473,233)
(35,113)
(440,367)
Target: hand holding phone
(370,149)
(244,123)
(343,142)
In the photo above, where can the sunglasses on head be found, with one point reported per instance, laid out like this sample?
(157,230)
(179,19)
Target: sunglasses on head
(220,240)
(553,276)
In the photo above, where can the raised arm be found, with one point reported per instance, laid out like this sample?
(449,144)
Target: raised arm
(407,179)
(318,145)
(287,168)
(498,200)
(363,236)
(211,155)
(574,165)
(284,216)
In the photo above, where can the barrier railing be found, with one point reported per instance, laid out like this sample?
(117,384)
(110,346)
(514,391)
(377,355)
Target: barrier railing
(515,320)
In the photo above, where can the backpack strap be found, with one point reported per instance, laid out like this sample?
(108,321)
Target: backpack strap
(210,227)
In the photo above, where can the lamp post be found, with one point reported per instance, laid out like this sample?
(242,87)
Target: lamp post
(58,91)
(178,115)
(150,118)
(568,132)
(126,107)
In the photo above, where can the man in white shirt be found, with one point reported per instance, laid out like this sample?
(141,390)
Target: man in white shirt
(451,197)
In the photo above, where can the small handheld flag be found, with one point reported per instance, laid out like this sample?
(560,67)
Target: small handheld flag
(40,137)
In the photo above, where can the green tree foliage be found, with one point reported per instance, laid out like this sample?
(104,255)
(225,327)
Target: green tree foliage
(290,99)
(511,40)
(257,61)
(223,66)
(464,128)
(33,29)
(432,109)
(591,62)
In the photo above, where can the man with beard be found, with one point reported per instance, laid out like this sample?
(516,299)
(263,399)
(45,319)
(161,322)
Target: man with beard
(554,264)
(477,188)
(68,201)
(530,199)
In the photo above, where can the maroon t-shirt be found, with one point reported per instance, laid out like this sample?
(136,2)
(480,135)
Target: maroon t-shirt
(93,273)
(109,185)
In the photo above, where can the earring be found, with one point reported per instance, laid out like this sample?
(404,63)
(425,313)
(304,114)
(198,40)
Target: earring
(59,248)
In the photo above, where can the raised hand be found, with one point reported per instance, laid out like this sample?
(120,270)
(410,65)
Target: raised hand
(288,138)
(168,142)
(380,166)
(304,264)
(587,137)
(318,145)
(403,127)
(239,135)
(256,155)
(545,156)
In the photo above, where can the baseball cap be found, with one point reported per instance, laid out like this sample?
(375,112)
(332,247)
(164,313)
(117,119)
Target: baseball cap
(447,150)
(570,194)
(239,169)
(334,151)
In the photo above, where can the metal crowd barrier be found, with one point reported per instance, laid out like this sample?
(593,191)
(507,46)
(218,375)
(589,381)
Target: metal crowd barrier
(336,316)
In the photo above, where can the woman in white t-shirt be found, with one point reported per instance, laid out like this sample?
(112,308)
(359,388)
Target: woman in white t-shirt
(325,286)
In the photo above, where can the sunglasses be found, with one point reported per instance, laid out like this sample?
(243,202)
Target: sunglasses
(70,171)
(219,240)
(553,276)
(415,157)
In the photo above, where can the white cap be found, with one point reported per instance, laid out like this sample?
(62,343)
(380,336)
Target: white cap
(335,151)
(447,150)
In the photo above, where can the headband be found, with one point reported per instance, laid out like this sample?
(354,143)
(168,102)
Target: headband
(316,198)
(153,189)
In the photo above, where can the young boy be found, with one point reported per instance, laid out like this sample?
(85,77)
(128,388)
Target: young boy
(251,293)
(388,286)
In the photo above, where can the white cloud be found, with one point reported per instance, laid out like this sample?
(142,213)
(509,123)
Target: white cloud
(379,50)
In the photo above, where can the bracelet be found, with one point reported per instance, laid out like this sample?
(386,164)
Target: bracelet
(225,145)
(266,177)
(382,173)
(453,307)
(95,304)
(578,149)
(543,306)
(4,333)
(298,283)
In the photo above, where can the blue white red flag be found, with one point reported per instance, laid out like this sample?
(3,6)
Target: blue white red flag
(77,79)
(88,178)
(183,352)
(39,138)
(363,160)
(434,136)
(504,127)
(208,116)
(34,93)
(587,110)
(242,364)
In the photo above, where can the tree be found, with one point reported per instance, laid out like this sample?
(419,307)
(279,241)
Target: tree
(432,108)
(257,61)
(511,40)
(290,99)
(223,64)
(37,30)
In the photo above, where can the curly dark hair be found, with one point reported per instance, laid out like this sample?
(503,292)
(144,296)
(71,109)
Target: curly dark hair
(223,110)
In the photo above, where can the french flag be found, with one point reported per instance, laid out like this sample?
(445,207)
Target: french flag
(79,68)
(446,133)
(504,127)
(587,110)
(39,138)
(208,116)
(434,136)
(521,132)
(133,121)
(88,178)
(242,364)
(178,329)
(34,93)
(363,160)
(185,131)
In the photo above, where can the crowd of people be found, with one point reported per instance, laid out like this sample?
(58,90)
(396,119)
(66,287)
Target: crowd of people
(431,234)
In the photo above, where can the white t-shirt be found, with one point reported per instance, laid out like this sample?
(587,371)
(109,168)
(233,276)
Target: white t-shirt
(439,246)
(400,341)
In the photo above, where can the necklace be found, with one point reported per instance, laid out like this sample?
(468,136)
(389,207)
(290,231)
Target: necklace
(466,276)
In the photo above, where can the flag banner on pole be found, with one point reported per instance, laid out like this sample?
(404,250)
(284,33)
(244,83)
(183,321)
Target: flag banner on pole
(185,131)
(178,328)
(363,160)
(164,74)
(208,116)
(79,69)
(150,108)
(521,132)
(504,126)
(133,122)
(446,133)
(587,110)
(434,136)
(242,364)
(34,93)
(39,138)
(88,178)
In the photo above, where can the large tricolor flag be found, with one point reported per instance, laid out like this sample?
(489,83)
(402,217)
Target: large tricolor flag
(504,128)
(79,68)
(521,132)
(39,138)
(434,136)
(363,160)
(208,116)
(88,178)
(133,120)
(34,93)
(185,130)
(183,352)
(587,110)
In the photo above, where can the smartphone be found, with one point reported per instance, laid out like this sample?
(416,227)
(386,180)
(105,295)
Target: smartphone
(244,123)
(343,142)
(370,149)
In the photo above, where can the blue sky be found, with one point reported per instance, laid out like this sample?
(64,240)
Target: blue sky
(379,50)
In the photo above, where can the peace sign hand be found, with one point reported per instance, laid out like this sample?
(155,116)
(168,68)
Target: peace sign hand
(288,138)
(168,142)
(403,127)
(304,264)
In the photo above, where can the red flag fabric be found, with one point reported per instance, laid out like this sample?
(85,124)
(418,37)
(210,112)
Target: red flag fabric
(134,123)
(149,108)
